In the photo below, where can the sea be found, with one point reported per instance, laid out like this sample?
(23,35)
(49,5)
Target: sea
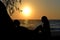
(32,24)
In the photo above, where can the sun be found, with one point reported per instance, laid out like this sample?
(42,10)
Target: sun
(26,11)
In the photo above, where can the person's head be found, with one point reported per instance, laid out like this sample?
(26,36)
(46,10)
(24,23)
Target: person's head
(44,19)
(16,22)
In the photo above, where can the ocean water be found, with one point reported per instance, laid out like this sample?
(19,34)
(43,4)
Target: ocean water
(55,25)
(32,24)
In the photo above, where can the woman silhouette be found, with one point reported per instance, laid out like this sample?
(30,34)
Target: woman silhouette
(46,26)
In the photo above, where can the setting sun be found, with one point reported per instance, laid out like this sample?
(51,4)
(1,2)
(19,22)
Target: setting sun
(26,11)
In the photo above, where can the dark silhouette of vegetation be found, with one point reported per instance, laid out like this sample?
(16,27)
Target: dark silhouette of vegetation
(6,24)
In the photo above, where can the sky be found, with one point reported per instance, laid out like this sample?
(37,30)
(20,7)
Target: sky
(38,8)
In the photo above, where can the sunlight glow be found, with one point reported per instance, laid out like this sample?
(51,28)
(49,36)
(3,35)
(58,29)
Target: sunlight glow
(26,11)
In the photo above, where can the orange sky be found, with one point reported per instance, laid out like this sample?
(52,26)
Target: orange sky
(39,8)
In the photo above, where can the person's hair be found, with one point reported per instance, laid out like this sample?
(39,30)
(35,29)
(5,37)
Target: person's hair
(44,19)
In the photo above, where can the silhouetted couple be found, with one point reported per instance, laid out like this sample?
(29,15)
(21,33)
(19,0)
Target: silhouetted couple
(42,31)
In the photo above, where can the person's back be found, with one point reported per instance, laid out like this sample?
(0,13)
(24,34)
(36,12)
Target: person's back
(6,24)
